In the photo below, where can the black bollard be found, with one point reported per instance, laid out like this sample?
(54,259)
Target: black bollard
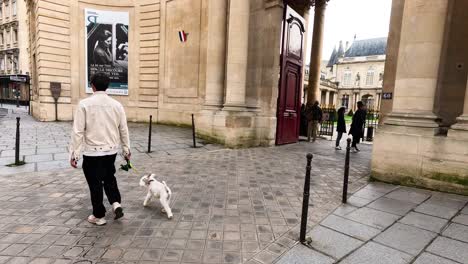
(193,132)
(149,133)
(346,172)
(17,145)
(305,200)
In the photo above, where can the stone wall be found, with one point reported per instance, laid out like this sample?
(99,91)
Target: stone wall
(223,62)
(393,43)
(452,80)
(58,55)
(23,37)
(433,162)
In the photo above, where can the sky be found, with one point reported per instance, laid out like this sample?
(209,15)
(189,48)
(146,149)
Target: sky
(346,18)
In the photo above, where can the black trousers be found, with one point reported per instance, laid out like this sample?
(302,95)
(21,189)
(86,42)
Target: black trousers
(356,140)
(99,173)
(338,139)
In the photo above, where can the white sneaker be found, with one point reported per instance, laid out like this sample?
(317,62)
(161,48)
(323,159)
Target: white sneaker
(118,211)
(97,221)
(338,148)
(354,150)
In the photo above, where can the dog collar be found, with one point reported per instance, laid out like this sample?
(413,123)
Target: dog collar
(150,182)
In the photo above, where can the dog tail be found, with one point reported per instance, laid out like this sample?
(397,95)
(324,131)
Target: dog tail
(169,193)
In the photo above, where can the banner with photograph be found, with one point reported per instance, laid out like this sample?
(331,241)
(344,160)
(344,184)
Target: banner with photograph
(107,48)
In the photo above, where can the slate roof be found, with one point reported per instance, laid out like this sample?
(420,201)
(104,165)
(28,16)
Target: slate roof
(336,55)
(367,47)
(333,58)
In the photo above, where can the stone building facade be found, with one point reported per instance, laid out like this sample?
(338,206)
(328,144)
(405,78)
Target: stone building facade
(328,88)
(359,72)
(424,137)
(14,57)
(216,59)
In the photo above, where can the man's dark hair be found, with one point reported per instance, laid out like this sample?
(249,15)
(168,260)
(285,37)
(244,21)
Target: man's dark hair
(100,81)
(104,35)
(360,104)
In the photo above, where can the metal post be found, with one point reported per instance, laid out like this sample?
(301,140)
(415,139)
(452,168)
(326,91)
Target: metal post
(17,95)
(305,200)
(17,145)
(56,109)
(193,132)
(149,133)
(29,97)
(346,172)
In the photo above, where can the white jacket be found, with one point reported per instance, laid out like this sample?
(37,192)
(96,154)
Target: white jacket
(99,125)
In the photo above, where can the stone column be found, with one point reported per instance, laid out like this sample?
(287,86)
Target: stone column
(216,55)
(237,54)
(422,37)
(462,121)
(327,98)
(313,92)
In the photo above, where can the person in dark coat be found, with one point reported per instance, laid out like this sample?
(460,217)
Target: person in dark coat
(304,122)
(314,116)
(357,126)
(340,127)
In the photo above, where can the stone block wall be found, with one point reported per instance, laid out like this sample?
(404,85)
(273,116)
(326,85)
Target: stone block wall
(415,157)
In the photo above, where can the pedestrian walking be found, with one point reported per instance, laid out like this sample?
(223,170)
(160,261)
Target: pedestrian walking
(314,116)
(357,126)
(99,127)
(340,126)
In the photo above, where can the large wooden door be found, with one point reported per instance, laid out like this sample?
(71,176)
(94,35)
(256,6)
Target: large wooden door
(290,85)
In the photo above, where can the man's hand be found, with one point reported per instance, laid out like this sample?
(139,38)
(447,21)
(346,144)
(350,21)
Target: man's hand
(128,156)
(73,163)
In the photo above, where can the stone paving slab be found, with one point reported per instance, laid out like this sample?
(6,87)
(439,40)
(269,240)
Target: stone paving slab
(457,231)
(427,258)
(230,206)
(408,239)
(402,230)
(372,253)
(425,222)
(332,243)
(303,255)
(350,228)
(449,248)
(45,145)
(374,218)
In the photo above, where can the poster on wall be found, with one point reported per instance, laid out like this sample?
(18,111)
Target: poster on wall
(106,47)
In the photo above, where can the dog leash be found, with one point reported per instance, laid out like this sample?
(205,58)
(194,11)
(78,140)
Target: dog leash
(128,166)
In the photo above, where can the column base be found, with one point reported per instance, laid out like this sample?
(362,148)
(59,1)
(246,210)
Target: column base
(213,106)
(235,107)
(425,120)
(462,123)
(460,129)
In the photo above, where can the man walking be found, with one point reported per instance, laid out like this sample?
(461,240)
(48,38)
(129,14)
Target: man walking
(357,126)
(314,117)
(99,126)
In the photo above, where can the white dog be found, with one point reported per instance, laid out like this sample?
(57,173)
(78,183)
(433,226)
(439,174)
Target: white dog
(158,190)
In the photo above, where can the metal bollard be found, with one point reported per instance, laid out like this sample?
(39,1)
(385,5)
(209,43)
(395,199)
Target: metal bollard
(346,172)
(193,132)
(149,133)
(17,145)
(305,200)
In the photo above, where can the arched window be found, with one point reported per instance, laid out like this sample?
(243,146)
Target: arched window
(370,76)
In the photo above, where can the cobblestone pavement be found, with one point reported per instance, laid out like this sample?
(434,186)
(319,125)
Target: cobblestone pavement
(44,146)
(385,223)
(230,206)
